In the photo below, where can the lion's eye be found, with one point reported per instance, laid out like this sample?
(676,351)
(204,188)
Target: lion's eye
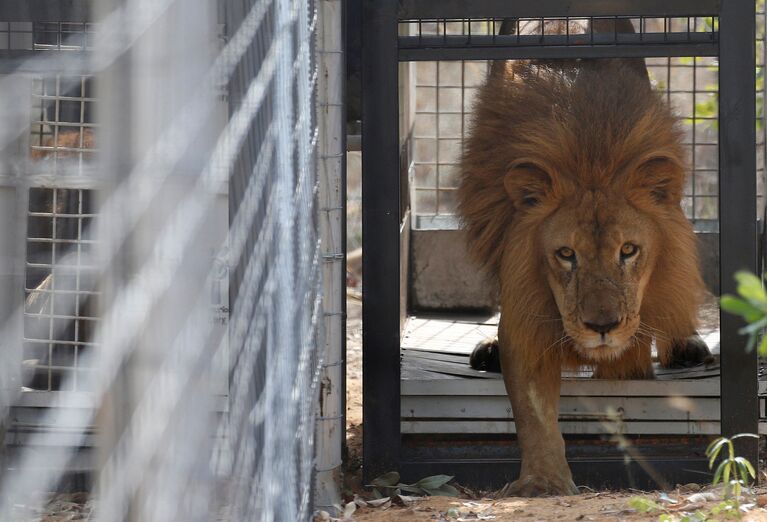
(566,253)
(628,250)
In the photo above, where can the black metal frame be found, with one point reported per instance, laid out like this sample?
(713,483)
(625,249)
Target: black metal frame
(47,10)
(382,50)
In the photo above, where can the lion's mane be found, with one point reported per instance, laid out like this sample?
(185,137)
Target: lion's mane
(585,122)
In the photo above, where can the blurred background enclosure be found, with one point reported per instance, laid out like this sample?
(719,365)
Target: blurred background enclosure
(171,257)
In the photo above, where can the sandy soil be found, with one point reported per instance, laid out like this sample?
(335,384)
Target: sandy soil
(600,506)
(590,505)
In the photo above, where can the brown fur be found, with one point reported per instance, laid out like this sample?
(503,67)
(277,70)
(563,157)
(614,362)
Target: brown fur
(591,127)
(67,145)
(582,155)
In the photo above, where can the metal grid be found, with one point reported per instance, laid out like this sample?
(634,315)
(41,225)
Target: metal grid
(540,31)
(171,447)
(691,89)
(60,310)
(276,328)
(761,114)
(63,126)
(46,36)
(383,48)
(445,91)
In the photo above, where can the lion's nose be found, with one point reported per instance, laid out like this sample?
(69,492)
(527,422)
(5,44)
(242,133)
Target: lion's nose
(603,327)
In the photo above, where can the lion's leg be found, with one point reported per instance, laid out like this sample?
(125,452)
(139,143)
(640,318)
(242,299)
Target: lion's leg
(634,363)
(685,352)
(534,392)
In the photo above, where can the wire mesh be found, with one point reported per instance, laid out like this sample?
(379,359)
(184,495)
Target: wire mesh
(46,36)
(444,93)
(169,294)
(556,31)
(63,119)
(60,309)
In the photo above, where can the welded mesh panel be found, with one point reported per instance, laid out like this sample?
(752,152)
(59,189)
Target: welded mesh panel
(444,94)
(203,397)
(61,309)
(46,36)
(761,114)
(690,86)
(556,31)
(60,306)
(279,270)
(63,125)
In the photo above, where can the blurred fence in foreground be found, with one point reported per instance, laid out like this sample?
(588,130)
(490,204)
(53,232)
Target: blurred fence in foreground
(162,266)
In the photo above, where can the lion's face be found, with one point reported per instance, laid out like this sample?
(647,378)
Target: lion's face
(599,255)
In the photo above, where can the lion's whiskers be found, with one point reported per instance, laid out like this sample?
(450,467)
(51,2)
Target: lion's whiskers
(559,342)
(655,332)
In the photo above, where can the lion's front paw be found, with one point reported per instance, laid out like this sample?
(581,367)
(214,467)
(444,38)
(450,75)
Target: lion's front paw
(485,356)
(539,485)
(690,352)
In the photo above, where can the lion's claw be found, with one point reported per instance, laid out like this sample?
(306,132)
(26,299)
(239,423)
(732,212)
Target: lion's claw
(690,352)
(485,356)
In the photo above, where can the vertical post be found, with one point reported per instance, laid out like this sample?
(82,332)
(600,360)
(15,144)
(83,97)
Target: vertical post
(332,195)
(737,212)
(380,237)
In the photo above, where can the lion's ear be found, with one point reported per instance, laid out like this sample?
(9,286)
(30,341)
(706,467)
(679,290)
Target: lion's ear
(662,179)
(527,185)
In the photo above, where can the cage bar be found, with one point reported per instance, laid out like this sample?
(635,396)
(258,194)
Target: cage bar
(674,36)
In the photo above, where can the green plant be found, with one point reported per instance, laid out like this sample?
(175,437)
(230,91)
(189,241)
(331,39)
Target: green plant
(732,471)
(752,306)
(390,484)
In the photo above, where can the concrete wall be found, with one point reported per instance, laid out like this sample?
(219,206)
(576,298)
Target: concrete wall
(444,278)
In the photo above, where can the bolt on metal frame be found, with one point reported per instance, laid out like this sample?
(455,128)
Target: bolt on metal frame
(383,50)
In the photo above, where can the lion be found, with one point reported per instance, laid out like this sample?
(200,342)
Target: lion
(572,176)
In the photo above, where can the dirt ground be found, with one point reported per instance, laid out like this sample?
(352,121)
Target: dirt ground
(590,505)
(601,506)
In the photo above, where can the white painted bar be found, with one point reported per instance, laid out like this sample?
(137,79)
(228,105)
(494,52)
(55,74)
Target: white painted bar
(708,387)
(568,427)
(466,408)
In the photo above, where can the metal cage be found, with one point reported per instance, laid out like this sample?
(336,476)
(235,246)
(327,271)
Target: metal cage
(427,31)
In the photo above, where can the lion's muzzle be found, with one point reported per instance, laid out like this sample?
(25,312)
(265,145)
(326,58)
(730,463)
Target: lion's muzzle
(601,313)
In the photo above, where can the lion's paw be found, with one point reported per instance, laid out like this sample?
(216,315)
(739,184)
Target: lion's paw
(690,352)
(485,356)
(538,486)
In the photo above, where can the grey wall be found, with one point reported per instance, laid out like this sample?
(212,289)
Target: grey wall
(444,278)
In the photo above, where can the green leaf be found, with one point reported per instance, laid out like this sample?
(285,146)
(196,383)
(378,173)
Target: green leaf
(713,450)
(763,346)
(719,469)
(737,306)
(727,469)
(698,516)
(746,466)
(446,490)
(389,479)
(754,327)
(433,482)
(644,505)
(750,343)
(409,488)
(743,435)
(750,287)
